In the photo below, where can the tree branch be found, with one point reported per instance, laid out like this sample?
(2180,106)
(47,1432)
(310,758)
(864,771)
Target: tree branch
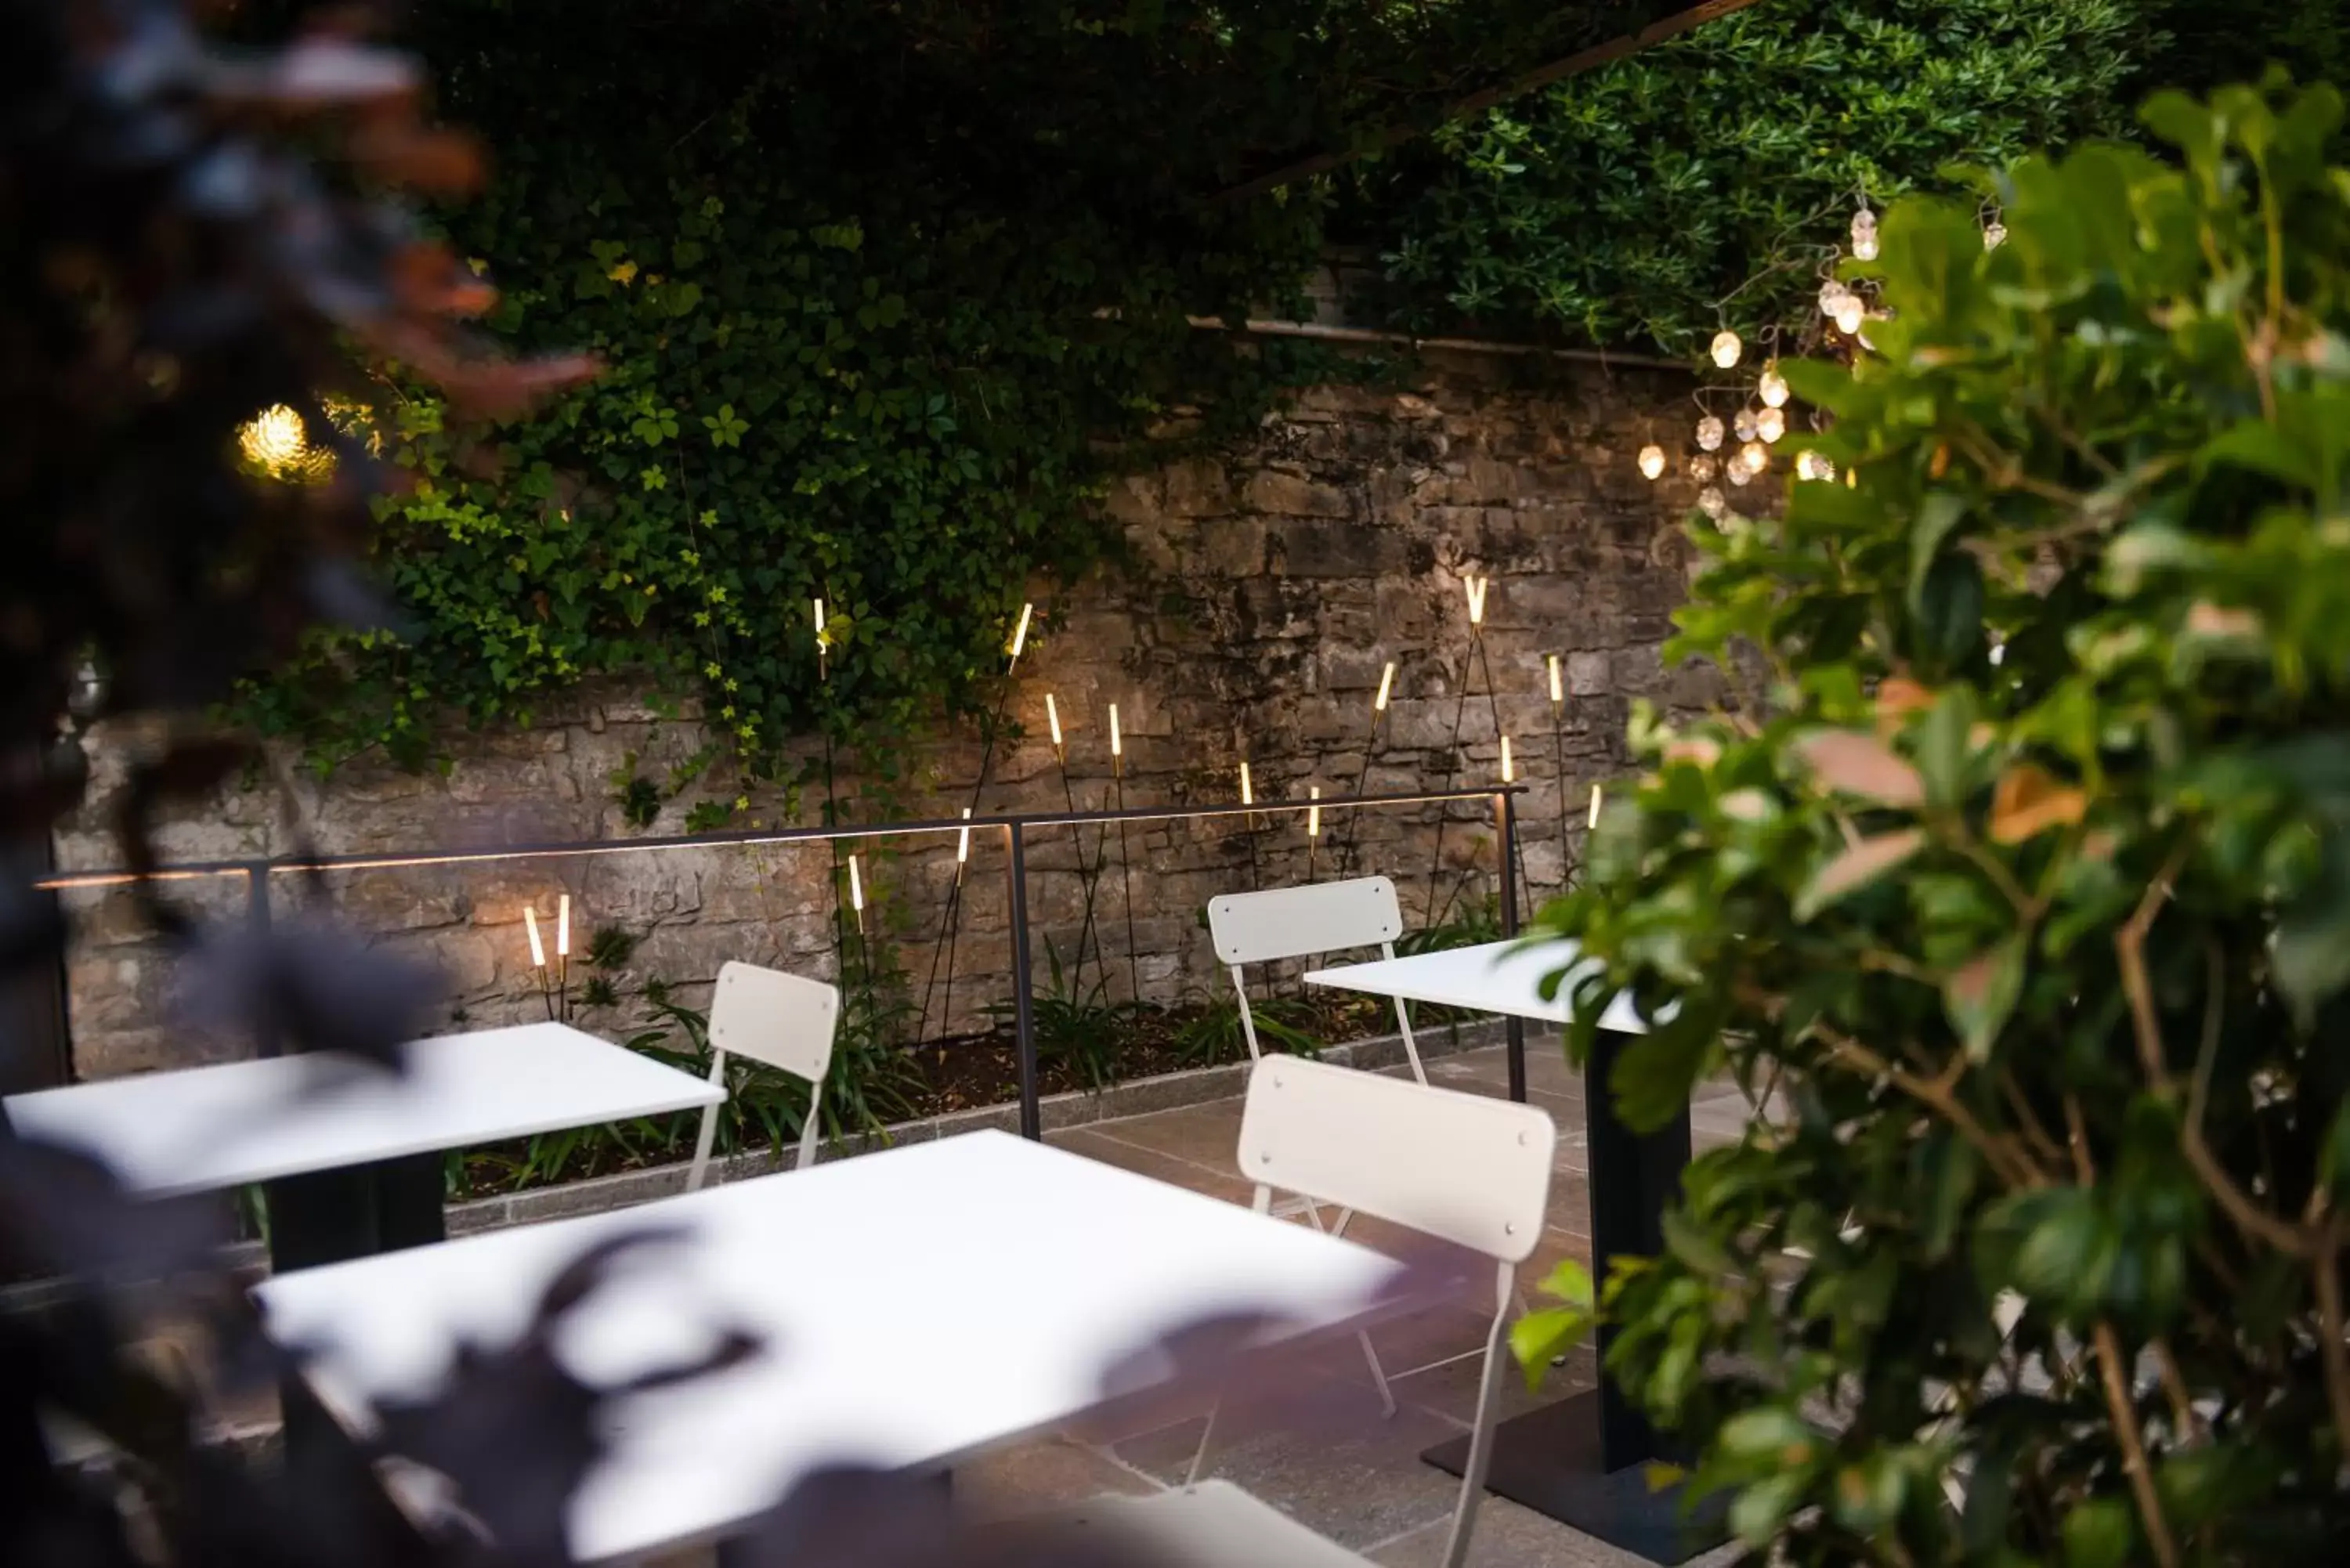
(2115,1380)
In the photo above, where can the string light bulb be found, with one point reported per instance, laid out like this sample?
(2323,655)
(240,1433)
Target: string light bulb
(1652,461)
(1772,387)
(1850,312)
(1757,457)
(1727,347)
(1703,469)
(1712,503)
(1736,470)
(1864,234)
(1743,425)
(1710,433)
(1387,684)
(538,948)
(1771,424)
(1833,294)
(1811,465)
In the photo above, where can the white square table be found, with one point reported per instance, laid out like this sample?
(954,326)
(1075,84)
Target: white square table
(1048,1267)
(1584,1460)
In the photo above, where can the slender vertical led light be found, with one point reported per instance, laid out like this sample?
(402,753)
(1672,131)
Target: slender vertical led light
(1020,633)
(538,948)
(1477,587)
(1593,820)
(963,840)
(1387,684)
(1557,687)
(563,926)
(1509,774)
(822,641)
(1053,717)
(855,887)
(1248,794)
(1314,812)
(1116,747)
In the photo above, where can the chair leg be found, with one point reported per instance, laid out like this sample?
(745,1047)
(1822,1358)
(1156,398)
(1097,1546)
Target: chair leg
(702,1148)
(1199,1454)
(811,1128)
(1403,1022)
(1480,1447)
(1248,1019)
(1378,1376)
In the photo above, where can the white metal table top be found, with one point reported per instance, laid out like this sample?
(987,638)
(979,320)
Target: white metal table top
(922,1304)
(1502,977)
(203,1129)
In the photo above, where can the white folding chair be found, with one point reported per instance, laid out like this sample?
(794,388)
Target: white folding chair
(1464,1168)
(1293,922)
(778,1019)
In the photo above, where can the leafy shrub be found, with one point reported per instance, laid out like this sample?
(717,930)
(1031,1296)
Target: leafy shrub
(2029,887)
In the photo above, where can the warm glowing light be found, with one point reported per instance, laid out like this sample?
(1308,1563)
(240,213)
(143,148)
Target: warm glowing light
(1387,684)
(1811,465)
(1742,427)
(1727,347)
(855,887)
(1248,792)
(1849,312)
(538,948)
(1116,745)
(1771,424)
(1995,235)
(1652,461)
(1020,632)
(1053,717)
(1592,820)
(1712,503)
(1477,587)
(1314,812)
(1773,388)
(963,840)
(1509,773)
(1736,470)
(1757,457)
(822,640)
(1703,468)
(563,926)
(1864,236)
(1710,432)
(274,441)
(1833,294)
(1557,687)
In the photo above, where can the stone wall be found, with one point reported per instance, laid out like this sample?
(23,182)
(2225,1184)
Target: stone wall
(1262,594)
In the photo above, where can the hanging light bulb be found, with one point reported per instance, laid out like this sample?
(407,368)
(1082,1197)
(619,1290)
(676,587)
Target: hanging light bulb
(1743,425)
(1995,235)
(1710,433)
(1652,461)
(1831,295)
(1864,236)
(1771,424)
(1712,503)
(1850,312)
(1773,388)
(1727,347)
(1811,465)
(1756,456)
(1736,471)
(1702,469)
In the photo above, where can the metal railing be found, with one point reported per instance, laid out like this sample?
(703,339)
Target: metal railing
(1015,828)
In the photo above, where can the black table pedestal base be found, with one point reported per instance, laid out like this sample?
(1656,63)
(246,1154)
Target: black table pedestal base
(1548,1460)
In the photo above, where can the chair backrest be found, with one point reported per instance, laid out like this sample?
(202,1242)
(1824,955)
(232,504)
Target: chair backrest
(1466,1168)
(782,1020)
(1292,922)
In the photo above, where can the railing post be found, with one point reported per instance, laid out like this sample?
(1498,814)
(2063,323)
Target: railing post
(1505,823)
(1023,999)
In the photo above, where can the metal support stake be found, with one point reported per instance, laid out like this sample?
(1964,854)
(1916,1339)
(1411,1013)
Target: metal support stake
(1024,1000)
(1505,823)
(257,911)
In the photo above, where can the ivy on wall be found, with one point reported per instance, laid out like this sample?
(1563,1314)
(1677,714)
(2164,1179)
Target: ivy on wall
(1623,205)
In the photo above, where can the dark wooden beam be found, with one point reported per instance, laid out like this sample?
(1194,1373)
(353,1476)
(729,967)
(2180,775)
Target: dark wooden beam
(1599,54)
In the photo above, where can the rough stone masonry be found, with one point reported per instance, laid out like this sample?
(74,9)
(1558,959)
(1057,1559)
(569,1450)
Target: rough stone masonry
(1263,593)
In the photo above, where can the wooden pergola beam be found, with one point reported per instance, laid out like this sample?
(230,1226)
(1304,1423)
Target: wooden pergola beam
(1599,54)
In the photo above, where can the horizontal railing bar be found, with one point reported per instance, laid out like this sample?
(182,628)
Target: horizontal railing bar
(747,838)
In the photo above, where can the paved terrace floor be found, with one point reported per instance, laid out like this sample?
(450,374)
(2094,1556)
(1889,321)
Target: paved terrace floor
(1341,1468)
